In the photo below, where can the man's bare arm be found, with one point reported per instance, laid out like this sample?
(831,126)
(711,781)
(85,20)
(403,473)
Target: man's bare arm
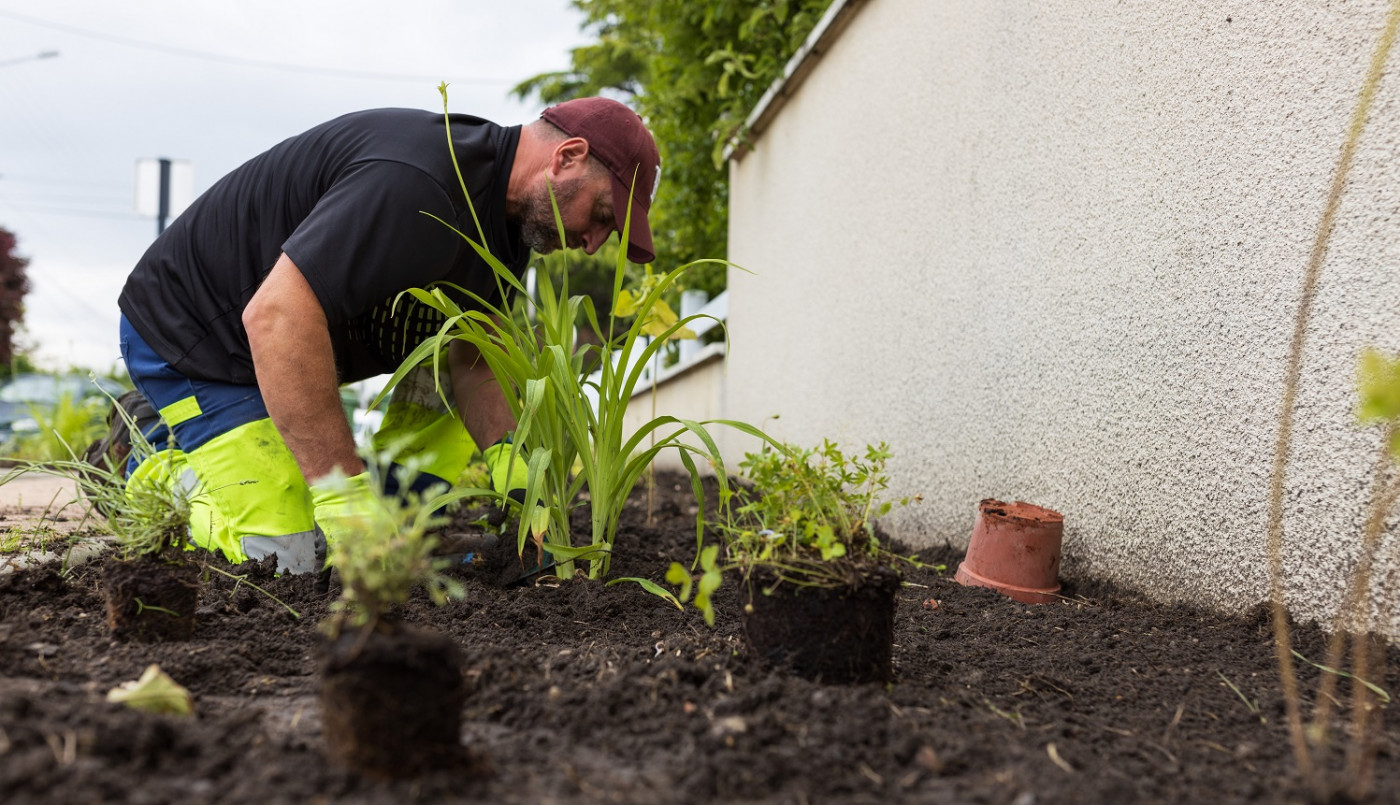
(295,366)
(478,396)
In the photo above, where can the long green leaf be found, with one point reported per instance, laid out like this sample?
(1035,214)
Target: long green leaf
(650,586)
(502,273)
(570,552)
(535,474)
(1374,688)
(458,494)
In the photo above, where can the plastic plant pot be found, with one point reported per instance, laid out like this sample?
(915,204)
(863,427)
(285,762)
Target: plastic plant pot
(1015,550)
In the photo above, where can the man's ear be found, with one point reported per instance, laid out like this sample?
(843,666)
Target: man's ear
(569,156)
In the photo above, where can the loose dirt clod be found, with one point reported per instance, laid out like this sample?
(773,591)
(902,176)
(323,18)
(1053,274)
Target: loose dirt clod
(838,635)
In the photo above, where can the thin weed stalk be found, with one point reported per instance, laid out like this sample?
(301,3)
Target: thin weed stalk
(1311,277)
(1361,754)
(1383,499)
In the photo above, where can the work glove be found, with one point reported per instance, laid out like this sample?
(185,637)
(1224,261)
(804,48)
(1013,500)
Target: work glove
(350,507)
(508,476)
(508,473)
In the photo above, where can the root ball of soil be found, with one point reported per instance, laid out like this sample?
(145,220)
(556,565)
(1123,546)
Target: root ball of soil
(839,635)
(150,599)
(391,701)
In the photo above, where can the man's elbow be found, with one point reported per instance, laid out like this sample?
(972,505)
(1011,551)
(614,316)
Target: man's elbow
(257,319)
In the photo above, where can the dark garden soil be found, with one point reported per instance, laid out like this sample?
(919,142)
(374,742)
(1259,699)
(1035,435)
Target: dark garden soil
(578,692)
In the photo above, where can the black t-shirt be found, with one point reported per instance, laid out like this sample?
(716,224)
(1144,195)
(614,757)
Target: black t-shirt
(346,202)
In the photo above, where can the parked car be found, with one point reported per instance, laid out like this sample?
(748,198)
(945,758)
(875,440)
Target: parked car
(24,395)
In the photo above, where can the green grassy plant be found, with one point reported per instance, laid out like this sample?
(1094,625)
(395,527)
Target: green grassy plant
(574,448)
(71,421)
(807,517)
(1252,705)
(1381,693)
(12,540)
(19,545)
(146,518)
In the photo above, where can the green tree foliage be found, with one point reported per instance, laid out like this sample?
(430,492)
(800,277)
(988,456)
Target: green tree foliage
(14,284)
(694,71)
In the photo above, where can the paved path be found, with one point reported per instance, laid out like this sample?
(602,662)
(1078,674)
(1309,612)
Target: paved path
(36,492)
(35,506)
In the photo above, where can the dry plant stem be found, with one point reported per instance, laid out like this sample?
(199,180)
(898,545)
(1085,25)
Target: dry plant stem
(1349,617)
(1282,639)
(243,579)
(1361,755)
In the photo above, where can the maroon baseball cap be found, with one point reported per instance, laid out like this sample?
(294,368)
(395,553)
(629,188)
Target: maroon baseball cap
(617,138)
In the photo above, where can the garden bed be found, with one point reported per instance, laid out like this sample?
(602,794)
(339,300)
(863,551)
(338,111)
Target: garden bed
(581,693)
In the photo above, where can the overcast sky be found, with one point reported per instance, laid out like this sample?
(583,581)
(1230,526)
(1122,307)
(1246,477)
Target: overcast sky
(213,85)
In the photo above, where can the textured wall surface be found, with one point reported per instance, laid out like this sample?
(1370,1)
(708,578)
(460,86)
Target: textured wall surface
(1053,252)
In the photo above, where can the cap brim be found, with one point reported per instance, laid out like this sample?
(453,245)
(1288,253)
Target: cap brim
(639,246)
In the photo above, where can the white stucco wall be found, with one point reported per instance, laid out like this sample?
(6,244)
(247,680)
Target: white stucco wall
(1052,252)
(695,393)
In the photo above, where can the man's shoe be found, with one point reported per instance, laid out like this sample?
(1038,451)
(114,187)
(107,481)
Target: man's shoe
(110,453)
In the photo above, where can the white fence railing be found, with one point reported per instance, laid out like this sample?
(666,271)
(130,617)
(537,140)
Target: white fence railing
(689,352)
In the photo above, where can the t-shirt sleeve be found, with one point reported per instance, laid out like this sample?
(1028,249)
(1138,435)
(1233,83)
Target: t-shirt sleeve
(367,238)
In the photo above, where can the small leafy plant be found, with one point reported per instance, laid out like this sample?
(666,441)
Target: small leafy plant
(391,693)
(805,518)
(387,559)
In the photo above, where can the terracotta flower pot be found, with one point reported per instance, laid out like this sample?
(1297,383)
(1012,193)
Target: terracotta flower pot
(1015,550)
